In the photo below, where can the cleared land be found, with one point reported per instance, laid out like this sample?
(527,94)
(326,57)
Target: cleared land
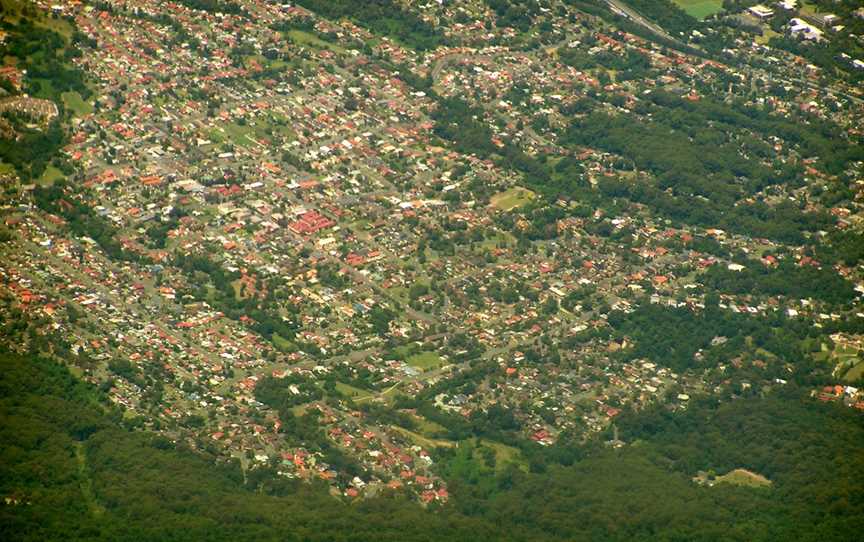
(351,391)
(855,373)
(505,455)
(283,344)
(744,477)
(512,198)
(700,8)
(302,37)
(424,360)
(51,175)
(238,134)
(766,36)
(845,360)
(423,441)
(74,102)
(429,428)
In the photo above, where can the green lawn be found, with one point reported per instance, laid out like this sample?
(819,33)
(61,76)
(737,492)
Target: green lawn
(278,64)
(308,39)
(279,124)
(700,8)
(844,359)
(429,428)
(766,36)
(845,352)
(742,477)
(855,373)
(512,198)
(45,88)
(351,392)
(237,134)
(423,441)
(59,25)
(96,509)
(504,455)
(216,136)
(75,103)
(282,344)
(808,9)
(424,360)
(51,175)
(237,286)
(499,237)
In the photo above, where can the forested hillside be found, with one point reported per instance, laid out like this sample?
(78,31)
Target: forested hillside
(71,472)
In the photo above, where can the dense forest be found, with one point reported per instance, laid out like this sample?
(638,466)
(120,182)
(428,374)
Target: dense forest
(518,14)
(787,279)
(82,219)
(665,13)
(384,17)
(70,471)
(214,6)
(694,149)
(31,152)
(680,339)
(46,57)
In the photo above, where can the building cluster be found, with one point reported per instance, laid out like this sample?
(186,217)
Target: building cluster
(286,210)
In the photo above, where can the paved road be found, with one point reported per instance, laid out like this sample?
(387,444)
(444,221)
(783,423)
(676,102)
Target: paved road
(626,11)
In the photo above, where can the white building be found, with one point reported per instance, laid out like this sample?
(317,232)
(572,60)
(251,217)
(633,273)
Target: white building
(761,12)
(804,30)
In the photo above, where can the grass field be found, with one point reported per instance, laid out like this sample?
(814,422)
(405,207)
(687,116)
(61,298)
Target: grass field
(844,359)
(808,9)
(743,477)
(855,373)
(766,36)
(700,8)
(10,7)
(500,237)
(848,357)
(86,482)
(424,360)
(216,136)
(282,344)
(301,37)
(423,441)
(504,455)
(512,198)
(386,396)
(429,428)
(352,392)
(50,176)
(237,134)
(236,286)
(45,90)
(76,104)
(279,124)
